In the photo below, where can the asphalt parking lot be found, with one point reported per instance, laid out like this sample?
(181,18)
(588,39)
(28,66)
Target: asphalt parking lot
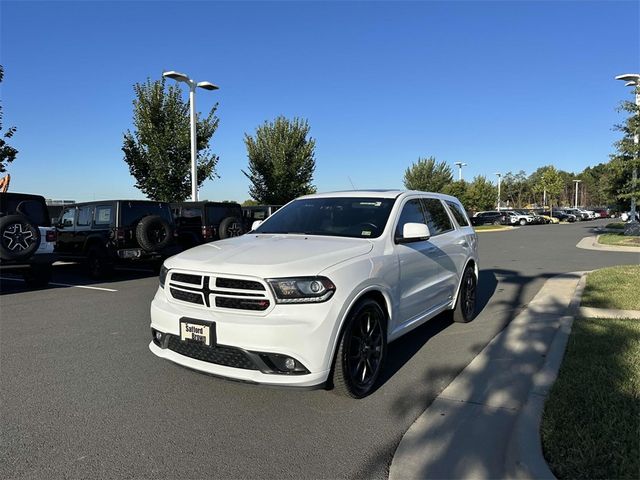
(82,396)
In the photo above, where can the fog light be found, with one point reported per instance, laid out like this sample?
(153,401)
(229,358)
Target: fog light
(290,364)
(158,336)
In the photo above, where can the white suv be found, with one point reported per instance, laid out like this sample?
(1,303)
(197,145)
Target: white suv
(313,295)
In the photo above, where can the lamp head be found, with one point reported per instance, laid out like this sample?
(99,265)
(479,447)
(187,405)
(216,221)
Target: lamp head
(208,86)
(632,79)
(180,77)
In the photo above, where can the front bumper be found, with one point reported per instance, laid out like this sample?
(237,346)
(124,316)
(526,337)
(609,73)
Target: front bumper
(302,332)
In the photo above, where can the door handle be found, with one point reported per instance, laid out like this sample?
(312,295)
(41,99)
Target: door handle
(462,242)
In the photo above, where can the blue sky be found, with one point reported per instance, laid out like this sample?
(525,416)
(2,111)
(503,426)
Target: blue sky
(499,85)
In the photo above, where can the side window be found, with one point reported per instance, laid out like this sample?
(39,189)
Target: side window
(437,217)
(66,220)
(411,213)
(458,214)
(84,216)
(103,215)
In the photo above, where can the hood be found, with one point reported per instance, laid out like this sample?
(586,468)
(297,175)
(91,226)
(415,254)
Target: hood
(270,255)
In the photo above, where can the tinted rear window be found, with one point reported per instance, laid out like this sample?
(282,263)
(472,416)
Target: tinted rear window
(133,212)
(32,208)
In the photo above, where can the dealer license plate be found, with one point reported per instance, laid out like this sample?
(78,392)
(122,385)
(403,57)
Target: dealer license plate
(195,332)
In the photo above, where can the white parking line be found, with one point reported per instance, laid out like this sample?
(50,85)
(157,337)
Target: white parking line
(65,285)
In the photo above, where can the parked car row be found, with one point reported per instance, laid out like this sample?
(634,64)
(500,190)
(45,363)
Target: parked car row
(537,216)
(105,233)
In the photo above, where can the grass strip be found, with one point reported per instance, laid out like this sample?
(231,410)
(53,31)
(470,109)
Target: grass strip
(613,287)
(490,227)
(617,225)
(619,239)
(591,422)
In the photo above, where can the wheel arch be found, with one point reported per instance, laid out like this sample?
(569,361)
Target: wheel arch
(375,292)
(471,262)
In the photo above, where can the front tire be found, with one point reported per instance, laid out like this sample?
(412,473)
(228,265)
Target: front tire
(465,309)
(523,222)
(361,351)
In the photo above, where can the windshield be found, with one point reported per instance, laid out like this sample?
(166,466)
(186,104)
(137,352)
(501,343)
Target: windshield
(339,217)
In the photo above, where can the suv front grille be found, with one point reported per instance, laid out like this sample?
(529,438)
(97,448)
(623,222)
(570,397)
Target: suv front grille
(186,278)
(228,293)
(242,303)
(233,283)
(185,296)
(220,354)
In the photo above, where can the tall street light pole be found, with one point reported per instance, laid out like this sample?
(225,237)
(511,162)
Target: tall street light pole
(460,165)
(633,80)
(181,77)
(575,205)
(499,175)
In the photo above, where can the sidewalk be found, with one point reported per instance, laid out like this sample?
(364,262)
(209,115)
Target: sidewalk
(484,424)
(591,243)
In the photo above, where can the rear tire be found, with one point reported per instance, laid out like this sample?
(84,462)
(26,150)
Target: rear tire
(19,238)
(465,309)
(523,222)
(153,233)
(230,227)
(361,350)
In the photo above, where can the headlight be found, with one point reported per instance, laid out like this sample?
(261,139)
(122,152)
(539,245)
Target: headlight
(163,275)
(302,289)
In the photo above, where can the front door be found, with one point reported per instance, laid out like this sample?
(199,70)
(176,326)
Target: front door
(418,267)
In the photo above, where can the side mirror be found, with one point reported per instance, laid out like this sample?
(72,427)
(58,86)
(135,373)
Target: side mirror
(414,232)
(256,224)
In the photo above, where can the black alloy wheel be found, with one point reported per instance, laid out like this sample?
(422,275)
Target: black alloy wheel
(361,351)
(465,309)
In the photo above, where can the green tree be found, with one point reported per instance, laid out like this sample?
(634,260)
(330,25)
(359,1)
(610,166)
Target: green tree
(627,156)
(158,152)
(281,161)
(457,189)
(249,203)
(481,195)
(7,152)
(550,181)
(428,175)
(515,188)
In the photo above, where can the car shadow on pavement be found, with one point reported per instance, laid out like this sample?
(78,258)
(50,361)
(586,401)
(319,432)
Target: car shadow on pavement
(415,399)
(67,275)
(403,349)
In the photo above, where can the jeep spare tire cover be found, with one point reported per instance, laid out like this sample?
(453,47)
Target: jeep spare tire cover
(19,238)
(230,227)
(153,233)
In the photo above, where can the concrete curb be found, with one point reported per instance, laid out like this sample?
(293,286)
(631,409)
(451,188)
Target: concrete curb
(485,423)
(591,243)
(504,229)
(592,312)
(525,458)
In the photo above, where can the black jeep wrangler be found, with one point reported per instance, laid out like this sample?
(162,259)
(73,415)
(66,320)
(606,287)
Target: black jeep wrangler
(202,222)
(27,239)
(109,232)
(256,213)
